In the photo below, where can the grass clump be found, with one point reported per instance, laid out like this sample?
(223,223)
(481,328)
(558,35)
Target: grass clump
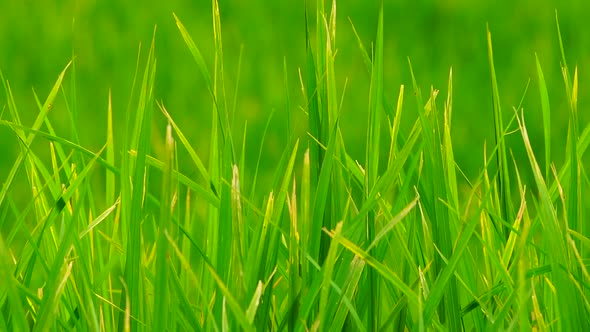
(394,242)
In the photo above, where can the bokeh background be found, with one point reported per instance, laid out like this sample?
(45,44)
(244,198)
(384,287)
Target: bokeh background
(38,39)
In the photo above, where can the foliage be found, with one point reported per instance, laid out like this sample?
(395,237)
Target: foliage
(391,242)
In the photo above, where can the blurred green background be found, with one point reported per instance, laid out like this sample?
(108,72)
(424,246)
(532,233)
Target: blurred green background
(38,39)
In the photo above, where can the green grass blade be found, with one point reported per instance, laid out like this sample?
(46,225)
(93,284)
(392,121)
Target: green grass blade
(185,143)
(305,224)
(364,54)
(161,296)
(395,127)
(58,272)
(185,304)
(449,159)
(372,164)
(387,228)
(439,288)
(503,180)
(321,196)
(99,219)
(254,303)
(354,273)
(110,152)
(327,271)
(196,53)
(570,308)
(573,201)
(375,109)
(36,126)
(269,259)
(231,301)
(134,204)
(206,193)
(380,268)
(565,70)
(52,138)
(19,320)
(545,107)
(294,258)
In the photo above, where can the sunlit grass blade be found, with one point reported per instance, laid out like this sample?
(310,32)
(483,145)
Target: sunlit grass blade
(395,127)
(99,219)
(398,218)
(254,303)
(546,109)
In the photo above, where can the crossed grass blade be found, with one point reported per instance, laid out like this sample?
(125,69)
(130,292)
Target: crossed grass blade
(27,139)
(57,278)
(568,299)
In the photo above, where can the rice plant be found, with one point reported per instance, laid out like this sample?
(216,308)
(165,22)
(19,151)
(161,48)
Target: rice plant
(401,240)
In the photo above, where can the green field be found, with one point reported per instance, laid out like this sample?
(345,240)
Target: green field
(294,166)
